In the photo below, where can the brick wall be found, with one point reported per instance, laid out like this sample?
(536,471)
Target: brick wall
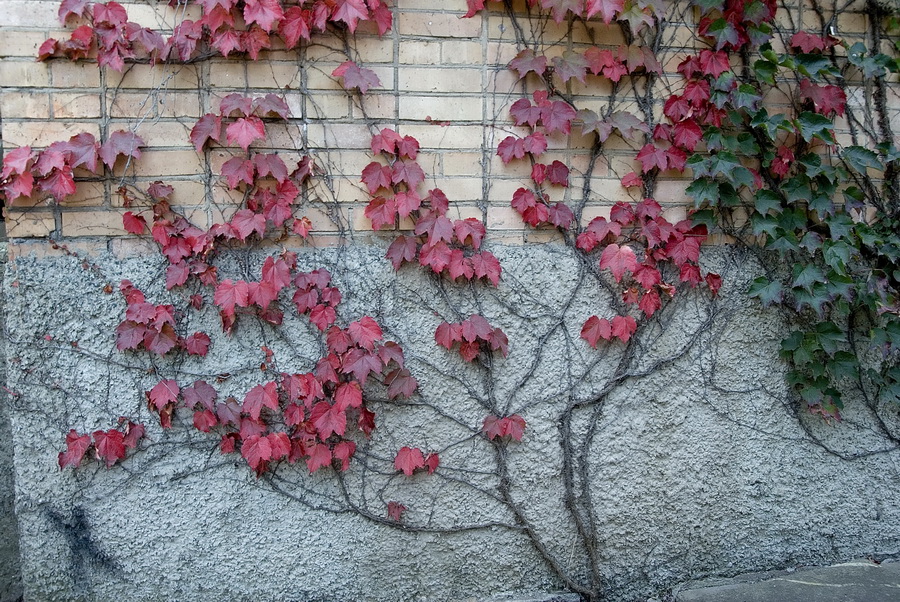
(444,81)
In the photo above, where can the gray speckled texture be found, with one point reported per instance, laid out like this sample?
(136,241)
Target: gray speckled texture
(699,468)
(10,578)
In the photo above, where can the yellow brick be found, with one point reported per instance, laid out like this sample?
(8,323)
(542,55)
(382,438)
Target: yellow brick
(460,164)
(155,76)
(75,106)
(273,75)
(375,50)
(23,74)
(848,22)
(434,135)
(439,80)
(158,133)
(377,106)
(162,16)
(500,54)
(186,192)
(462,53)
(43,133)
(415,52)
(87,194)
(29,105)
(339,135)
(28,225)
(154,105)
(30,13)
(503,218)
(168,163)
(92,223)
(438,25)
(66,74)
(441,108)
(24,43)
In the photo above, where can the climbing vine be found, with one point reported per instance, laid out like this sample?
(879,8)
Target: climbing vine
(814,182)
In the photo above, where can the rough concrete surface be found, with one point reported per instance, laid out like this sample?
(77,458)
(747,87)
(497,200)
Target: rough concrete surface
(10,581)
(698,463)
(859,581)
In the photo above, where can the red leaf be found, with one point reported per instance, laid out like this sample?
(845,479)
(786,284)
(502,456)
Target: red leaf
(328,419)
(526,61)
(245,222)
(498,341)
(618,260)
(432,461)
(205,421)
(348,395)
(264,12)
(257,450)
(608,9)
(375,176)
(230,294)
(320,457)
(469,231)
(826,99)
(60,183)
(350,12)
(343,451)
(259,397)
(322,316)
(197,344)
(109,446)
(381,211)
(623,327)
(164,393)
(493,427)
(400,383)
(447,334)
(134,224)
(245,131)
(403,249)
(409,460)
(407,171)
(133,434)
(469,350)
(395,510)
(355,76)
(684,250)
(407,202)
(120,143)
(650,303)
(366,421)
(570,65)
(595,329)
(714,282)
(523,112)
(76,446)
(558,116)
(201,393)
(647,276)
(73,7)
(161,341)
(208,127)
(515,426)
(714,63)
(437,227)
(365,332)
(487,266)
(408,147)
(270,164)
(294,26)
(652,156)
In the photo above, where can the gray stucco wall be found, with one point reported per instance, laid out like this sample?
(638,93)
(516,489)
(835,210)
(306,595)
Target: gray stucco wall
(10,582)
(699,467)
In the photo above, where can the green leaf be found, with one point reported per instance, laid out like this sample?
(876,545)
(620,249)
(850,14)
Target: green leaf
(830,337)
(813,125)
(807,275)
(843,365)
(860,159)
(767,292)
(837,254)
(764,224)
(765,71)
(766,201)
(797,189)
(745,97)
(723,33)
(704,190)
(814,299)
(784,242)
(814,65)
(840,286)
(840,226)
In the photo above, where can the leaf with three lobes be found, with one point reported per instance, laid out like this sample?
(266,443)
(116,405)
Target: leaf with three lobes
(409,460)
(245,131)
(618,260)
(355,76)
(76,446)
(109,446)
(595,329)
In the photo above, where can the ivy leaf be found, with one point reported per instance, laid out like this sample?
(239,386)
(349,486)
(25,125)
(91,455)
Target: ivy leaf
(623,327)
(595,329)
(558,116)
(403,249)
(259,397)
(109,446)
(266,13)
(319,457)
(245,131)
(245,222)
(401,383)
(408,460)
(395,510)
(76,446)
(350,12)
(768,292)
(813,125)
(607,9)
(570,65)
(120,143)
(860,159)
(355,76)
(526,62)
(618,260)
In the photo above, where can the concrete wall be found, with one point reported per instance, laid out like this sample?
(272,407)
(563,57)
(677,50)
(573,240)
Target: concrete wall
(700,468)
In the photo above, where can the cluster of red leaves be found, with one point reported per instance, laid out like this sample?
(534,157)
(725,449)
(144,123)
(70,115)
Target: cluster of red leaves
(509,426)
(108,446)
(307,416)
(611,64)
(636,14)
(661,242)
(228,26)
(474,334)
(410,459)
(446,246)
(733,24)
(152,327)
(52,171)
